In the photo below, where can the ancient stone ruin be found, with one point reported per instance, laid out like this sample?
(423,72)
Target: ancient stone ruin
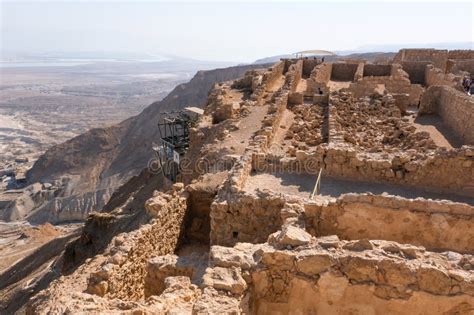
(390,231)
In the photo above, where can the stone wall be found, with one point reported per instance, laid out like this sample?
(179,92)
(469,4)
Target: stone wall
(437,57)
(461,54)
(377,70)
(319,78)
(308,66)
(330,277)
(365,87)
(123,275)
(197,218)
(245,218)
(414,91)
(436,225)
(344,71)
(455,108)
(435,76)
(394,84)
(457,66)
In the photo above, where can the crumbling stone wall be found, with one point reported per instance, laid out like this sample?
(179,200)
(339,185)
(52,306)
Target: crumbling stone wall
(344,71)
(242,168)
(245,218)
(250,81)
(359,72)
(220,106)
(320,76)
(123,275)
(455,108)
(274,116)
(436,225)
(435,76)
(269,77)
(293,76)
(413,59)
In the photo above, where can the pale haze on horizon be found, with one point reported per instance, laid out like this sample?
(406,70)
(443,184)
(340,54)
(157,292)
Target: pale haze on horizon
(240,32)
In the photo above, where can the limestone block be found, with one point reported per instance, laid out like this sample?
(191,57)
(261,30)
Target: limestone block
(313,263)
(291,235)
(161,267)
(230,256)
(227,279)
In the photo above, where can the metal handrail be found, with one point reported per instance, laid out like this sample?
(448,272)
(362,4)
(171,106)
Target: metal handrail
(317,186)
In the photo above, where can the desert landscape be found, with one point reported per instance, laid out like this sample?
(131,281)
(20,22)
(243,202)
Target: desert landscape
(76,98)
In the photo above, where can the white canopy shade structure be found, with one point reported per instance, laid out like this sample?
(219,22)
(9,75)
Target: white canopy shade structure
(315,52)
(195,110)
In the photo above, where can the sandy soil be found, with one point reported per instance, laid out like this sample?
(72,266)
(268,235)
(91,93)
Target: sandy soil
(441,134)
(337,85)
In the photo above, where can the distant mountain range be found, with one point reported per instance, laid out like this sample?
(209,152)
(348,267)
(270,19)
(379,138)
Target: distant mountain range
(95,57)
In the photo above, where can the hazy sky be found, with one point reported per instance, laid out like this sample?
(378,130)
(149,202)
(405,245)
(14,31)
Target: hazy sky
(229,31)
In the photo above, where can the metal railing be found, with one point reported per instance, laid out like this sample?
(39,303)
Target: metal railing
(317,186)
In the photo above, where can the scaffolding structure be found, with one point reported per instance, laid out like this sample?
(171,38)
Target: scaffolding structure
(174,139)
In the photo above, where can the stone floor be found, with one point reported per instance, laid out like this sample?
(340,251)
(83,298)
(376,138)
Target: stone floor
(303,185)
